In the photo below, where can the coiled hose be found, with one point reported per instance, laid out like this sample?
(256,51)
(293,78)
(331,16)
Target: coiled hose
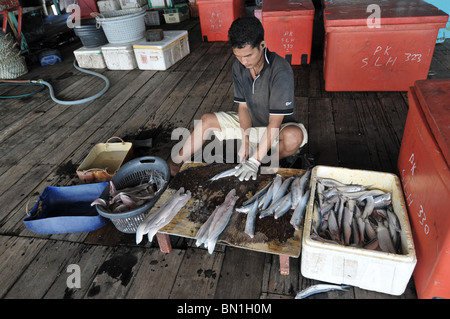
(43,83)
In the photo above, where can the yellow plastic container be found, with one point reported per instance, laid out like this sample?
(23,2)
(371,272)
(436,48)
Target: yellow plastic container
(104,160)
(367,269)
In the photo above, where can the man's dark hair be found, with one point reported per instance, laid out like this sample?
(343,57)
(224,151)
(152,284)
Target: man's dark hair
(246,30)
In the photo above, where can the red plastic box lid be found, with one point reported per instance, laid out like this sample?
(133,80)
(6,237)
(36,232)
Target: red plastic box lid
(218,1)
(390,15)
(381,3)
(287,8)
(434,97)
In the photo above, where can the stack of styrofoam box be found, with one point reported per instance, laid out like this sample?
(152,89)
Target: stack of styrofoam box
(160,55)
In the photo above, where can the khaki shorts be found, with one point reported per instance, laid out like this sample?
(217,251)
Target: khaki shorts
(230,129)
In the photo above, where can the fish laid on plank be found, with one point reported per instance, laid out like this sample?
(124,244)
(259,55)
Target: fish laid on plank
(251,220)
(162,216)
(227,173)
(299,211)
(216,223)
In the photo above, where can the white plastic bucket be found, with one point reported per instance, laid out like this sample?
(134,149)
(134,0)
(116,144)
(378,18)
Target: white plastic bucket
(123,25)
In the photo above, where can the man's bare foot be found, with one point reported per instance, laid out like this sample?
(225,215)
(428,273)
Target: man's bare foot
(174,168)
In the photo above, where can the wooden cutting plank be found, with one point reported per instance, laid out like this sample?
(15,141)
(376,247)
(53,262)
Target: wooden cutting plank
(233,234)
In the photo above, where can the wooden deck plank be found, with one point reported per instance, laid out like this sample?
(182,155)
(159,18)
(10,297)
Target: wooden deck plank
(87,258)
(198,275)
(156,275)
(244,267)
(115,274)
(44,269)
(17,253)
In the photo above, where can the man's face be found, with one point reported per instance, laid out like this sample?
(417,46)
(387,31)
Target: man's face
(248,56)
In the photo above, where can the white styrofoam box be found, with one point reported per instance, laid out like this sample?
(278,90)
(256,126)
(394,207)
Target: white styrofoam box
(129,4)
(90,58)
(119,56)
(157,3)
(368,269)
(160,55)
(108,5)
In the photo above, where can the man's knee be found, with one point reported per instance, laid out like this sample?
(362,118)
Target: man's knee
(292,138)
(209,120)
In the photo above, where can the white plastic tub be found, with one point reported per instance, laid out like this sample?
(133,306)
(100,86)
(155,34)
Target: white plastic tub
(367,269)
(161,55)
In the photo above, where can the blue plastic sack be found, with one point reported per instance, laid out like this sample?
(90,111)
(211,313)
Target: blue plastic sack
(66,209)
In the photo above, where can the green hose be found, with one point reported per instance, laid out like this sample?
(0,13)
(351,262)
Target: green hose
(52,95)
(22,95)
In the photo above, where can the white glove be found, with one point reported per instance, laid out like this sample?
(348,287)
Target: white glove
(247,169)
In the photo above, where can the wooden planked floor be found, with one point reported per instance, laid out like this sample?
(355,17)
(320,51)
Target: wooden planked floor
(42,143)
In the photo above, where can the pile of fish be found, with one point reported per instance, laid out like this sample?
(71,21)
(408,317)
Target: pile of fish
(356,215)
(277,198)
(216,223)
(162,216)
(130,198)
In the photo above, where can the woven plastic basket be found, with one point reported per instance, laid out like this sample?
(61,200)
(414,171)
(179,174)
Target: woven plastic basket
(133,173)
(123,26)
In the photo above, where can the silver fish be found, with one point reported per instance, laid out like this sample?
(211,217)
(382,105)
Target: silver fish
(384,239)
(276,184)
(283,189)
(257,195)
(217,222)
(371,192)
(320,288)
(382,201)
(368,209)
(168,216)
(162,216)
(296,192)
(251,220)
(283,207)
(329,182)
(333,227)
(299,211)
(352,188)
(229,172)
(394,227)
(347,225)
(218,226)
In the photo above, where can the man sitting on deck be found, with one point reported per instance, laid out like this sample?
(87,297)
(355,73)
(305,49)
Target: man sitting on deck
(264,90)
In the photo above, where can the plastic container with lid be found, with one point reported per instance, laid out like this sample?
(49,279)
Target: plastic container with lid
(288,29)
(423,166)
(390,56)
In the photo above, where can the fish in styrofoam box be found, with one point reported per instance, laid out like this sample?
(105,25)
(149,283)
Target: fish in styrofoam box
(119,56)
(161,55)
(90,58)
(367,269)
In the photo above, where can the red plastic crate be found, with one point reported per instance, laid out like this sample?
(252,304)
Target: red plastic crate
(424,172)
(288,28)
(389,58)
(216,17)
